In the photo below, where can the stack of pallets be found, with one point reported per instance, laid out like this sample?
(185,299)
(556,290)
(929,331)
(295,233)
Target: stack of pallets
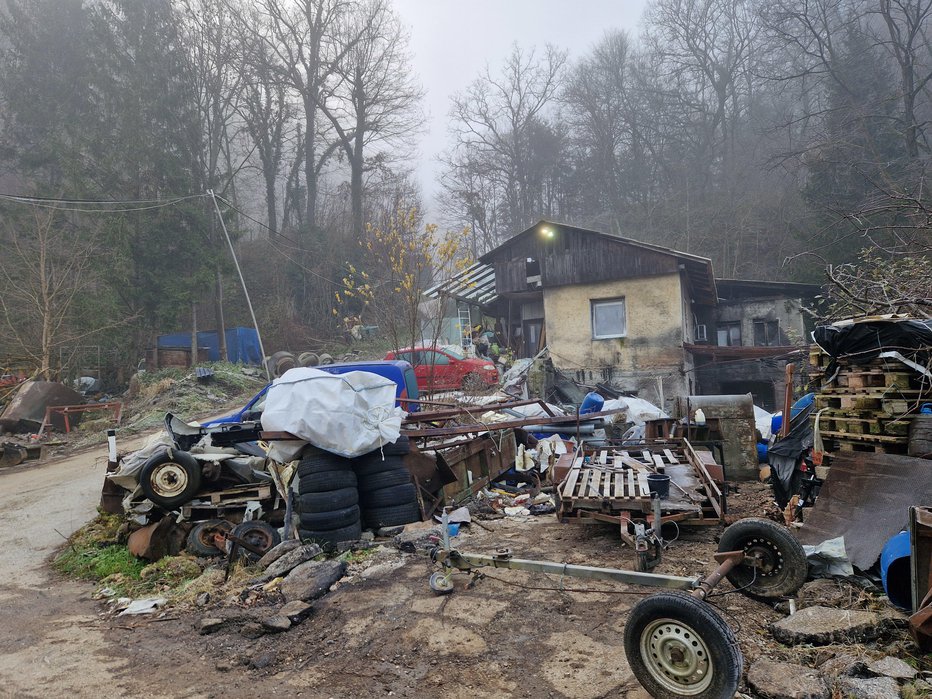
(866,407)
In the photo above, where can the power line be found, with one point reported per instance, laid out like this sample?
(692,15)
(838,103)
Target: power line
(77,205)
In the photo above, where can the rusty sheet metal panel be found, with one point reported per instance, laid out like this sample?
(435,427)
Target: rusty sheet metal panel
(26,411)
(866,499)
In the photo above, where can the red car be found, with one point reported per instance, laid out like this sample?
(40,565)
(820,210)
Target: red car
(443,369)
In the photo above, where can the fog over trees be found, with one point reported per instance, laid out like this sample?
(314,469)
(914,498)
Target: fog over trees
(775,137)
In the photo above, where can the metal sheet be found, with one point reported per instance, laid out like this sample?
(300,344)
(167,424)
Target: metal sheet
(27,409)
(866,499)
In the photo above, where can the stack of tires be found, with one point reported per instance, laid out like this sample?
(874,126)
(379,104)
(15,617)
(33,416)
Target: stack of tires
(387,496)
(328,502)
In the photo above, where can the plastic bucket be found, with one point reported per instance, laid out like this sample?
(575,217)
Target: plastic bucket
(894,570)
(659,483)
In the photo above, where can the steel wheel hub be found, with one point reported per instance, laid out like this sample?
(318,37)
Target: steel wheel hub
(677,657)
(169,480)
(769,560)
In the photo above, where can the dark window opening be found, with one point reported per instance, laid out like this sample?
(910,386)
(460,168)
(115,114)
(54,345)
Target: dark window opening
(766,333)
(729,334)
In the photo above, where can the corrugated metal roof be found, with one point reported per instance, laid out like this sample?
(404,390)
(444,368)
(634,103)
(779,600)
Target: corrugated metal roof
(475,284)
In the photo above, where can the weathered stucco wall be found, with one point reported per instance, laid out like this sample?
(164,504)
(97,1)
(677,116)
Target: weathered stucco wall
(652,348)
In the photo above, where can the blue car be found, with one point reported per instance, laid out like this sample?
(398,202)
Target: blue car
(400,372)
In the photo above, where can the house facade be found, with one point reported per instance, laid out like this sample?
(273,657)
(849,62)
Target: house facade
(614,310)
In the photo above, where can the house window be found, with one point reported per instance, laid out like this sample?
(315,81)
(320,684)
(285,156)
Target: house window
(766,333)
(729,334)
(609,319)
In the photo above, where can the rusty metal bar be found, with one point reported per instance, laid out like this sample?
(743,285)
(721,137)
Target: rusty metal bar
(727,561)
(467,561)
(568,420)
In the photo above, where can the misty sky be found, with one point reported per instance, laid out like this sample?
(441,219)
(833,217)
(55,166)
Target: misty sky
(452,40)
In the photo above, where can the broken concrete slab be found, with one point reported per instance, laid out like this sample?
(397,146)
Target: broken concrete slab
(277,623)
(296,610)
(276,552)
(774,680)
(823,625)
(312,579)
(844,664)
(872,688)
(889,666)
(289,561)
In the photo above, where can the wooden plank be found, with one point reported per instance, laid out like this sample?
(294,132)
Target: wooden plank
(619,484)
(671,457)
(642,485)
(632,492)
(658,462)
(646,456)
(603,457)
(572,477)
(632,463)
(592,487)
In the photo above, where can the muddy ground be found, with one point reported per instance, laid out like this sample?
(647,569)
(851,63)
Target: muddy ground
(383,632)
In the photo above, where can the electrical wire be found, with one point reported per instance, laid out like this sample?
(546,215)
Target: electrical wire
(79,206)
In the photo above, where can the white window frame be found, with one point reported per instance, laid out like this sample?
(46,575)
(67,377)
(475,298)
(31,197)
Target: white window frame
(594,303)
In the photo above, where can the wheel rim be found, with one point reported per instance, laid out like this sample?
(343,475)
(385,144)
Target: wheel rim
(259,538)
(169,480)
(769,560)
(676,657)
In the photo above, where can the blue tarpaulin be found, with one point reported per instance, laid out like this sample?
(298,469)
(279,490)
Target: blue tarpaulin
(242,344)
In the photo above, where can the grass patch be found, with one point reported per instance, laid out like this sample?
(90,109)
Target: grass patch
(97,562)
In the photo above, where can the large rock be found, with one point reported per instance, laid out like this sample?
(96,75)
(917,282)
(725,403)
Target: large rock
(823,625)
(773,680)
(276,552)
(312,579)
(844,664)
(889,666)
(290,560)
(873,688)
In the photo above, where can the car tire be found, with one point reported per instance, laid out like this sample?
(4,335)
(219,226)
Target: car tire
(332,537)
(326,481)
(200,538)
(328,500)
(325,521)
(378,517)
(321,462)
(383,479)
(388,497)
(399,447)
(783,567)
(170,478)
(260,534)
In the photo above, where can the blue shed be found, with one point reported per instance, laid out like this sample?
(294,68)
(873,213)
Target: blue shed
(242,344)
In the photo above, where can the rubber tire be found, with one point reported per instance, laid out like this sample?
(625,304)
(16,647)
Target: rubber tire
(332,536)
(326,481)
(372,463)
(191,468)
(384,479)
(399,448)
(195,544)
(262,534)
(793,568)
(328,500)
(389,497)
(323,462)
(726,660)
(378,517)
(325,521)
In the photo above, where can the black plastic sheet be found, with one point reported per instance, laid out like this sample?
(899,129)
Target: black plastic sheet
(862,342)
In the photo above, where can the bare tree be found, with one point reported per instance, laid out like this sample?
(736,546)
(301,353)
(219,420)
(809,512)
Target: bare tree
(45,268)
(374,105)
(497,118)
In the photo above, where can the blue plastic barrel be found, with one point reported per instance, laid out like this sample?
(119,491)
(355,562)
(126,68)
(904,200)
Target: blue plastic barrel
(592,403)
(894,570)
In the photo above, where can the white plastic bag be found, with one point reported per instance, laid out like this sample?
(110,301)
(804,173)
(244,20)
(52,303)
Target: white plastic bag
(347,414)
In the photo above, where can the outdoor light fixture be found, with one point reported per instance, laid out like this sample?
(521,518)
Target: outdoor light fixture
(548,232)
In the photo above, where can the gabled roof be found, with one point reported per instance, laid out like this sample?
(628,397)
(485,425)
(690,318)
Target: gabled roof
(698,269)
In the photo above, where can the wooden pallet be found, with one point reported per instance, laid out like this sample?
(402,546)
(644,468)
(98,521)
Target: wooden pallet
(870,447)
(878,403)
(863,424)
(241,494)
(591,485)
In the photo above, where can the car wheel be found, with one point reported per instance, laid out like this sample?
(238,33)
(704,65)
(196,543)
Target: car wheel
(325,521)
(332,536)
(201,540)
(170,478)
(378,517)
(328,500)
(387,497)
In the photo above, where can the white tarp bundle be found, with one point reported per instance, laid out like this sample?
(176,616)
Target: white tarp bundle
(763,420)
(346,414)
(639,410)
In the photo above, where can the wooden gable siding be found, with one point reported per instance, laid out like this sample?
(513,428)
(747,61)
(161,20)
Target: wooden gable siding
(575,258)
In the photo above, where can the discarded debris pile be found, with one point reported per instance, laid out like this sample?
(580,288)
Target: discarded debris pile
(874,377)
